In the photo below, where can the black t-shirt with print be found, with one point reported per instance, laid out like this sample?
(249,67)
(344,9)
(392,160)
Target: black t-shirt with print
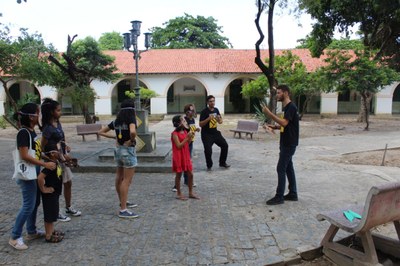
(290,133)
(23,136)
(53,179)
(122,130)
(211,126)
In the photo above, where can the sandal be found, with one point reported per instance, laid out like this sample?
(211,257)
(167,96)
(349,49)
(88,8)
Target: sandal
(58,233)
(54,239)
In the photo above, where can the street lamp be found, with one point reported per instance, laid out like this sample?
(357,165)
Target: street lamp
(131,40)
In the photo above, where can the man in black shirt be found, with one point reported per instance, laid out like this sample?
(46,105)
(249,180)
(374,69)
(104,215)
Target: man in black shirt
(209,118)
(288,125)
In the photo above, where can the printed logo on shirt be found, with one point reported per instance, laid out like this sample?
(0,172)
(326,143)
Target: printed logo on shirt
(213,121)
(192,128)
(38,149)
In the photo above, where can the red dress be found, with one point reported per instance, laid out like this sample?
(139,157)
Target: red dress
(181,161)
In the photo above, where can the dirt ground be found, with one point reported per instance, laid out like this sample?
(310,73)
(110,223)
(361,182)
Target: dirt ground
(310,126)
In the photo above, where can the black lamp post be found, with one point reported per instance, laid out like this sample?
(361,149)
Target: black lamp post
(131,40)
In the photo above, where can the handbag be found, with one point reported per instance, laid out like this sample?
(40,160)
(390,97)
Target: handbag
(22,169)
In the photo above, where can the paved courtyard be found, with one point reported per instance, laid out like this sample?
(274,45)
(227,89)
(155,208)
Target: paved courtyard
(230,225)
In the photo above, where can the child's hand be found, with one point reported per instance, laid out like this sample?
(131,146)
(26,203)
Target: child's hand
(190,135)
(47,190)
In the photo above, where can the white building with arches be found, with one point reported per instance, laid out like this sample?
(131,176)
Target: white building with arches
(181,76)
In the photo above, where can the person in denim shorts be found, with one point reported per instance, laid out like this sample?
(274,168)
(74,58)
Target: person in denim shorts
(124,153)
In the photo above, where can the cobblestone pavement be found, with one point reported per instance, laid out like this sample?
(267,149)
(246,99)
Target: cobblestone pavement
(230,225)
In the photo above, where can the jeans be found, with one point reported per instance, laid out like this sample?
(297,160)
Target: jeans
(125,156)
(28,211)
(285,169)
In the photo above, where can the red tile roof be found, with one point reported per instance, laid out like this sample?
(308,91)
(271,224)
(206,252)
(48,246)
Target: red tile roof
(162,61)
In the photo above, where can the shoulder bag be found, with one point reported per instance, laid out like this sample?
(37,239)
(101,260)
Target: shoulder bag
(24,170)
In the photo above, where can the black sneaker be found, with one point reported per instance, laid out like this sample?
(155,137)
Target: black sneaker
(291,197)
(225,165)
(275,201)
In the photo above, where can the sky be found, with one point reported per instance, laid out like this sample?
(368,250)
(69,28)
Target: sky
(56,19)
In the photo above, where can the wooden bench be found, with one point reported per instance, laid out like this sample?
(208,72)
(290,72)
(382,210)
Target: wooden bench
(245,126)
(88,129)
(381,206)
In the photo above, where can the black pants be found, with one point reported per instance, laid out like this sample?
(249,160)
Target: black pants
(208,141)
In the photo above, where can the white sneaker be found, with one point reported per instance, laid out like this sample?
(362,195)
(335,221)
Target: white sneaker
(18,243)
(63,218)
(71,211)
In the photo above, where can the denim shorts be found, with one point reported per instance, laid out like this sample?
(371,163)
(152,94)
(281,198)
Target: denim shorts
(125,156)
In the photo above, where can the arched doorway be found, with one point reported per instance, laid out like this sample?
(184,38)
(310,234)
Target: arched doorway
(24,91)
(234,100)
(396,100)
(184,91)
(119,94)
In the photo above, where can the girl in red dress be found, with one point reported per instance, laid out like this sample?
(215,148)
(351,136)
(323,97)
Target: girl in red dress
(181,161)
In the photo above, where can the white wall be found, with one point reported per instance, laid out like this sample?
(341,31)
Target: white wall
(329,103)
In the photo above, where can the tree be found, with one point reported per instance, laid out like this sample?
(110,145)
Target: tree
(111,41)
(378,20)
(145,96)
(290,70)
(22,58)
(342,44)
(189,32)
(78,67)
(359,72)
(268,6)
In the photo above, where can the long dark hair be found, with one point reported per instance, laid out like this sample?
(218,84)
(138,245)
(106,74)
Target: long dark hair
(48,107)
(22,116)
(126,112)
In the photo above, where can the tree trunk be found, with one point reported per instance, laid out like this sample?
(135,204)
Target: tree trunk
(86,115)
(12,102)
(363,115)
(267,71)
(305,105)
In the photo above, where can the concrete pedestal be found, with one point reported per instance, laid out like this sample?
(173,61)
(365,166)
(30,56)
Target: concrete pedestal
(145,140)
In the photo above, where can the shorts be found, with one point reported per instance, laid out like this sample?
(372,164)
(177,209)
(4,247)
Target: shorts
(125,156)
(51,207)
(66,173)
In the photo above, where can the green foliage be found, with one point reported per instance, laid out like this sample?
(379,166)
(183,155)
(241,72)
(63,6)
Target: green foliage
(111,41)
(342,44)
(378,23)
(144,93)
(73,73)
(257,88)
(359,72)
(22,57)
(28,98)
(145,96)
(189,32)
(3,123)
(260,115)
(289,70)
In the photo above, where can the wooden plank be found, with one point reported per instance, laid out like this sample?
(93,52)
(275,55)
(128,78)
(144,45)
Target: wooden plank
(387,245)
